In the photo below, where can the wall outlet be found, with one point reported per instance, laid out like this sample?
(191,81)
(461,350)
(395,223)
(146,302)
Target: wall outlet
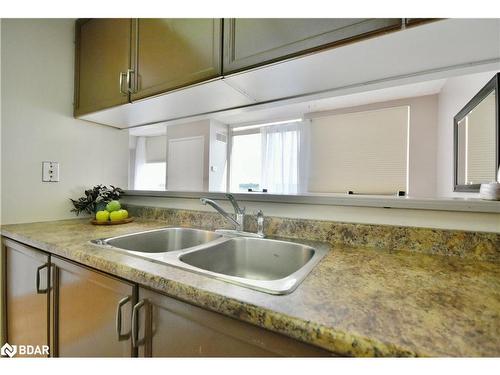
(50,171)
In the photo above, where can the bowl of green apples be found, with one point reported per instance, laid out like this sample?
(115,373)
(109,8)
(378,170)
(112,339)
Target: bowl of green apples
(113,214)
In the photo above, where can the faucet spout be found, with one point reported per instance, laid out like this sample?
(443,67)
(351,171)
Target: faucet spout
(220,210)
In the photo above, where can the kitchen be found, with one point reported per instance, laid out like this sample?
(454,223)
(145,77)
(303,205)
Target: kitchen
(250,187)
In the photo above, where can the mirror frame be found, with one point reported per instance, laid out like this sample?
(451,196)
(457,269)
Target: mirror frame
(491,86)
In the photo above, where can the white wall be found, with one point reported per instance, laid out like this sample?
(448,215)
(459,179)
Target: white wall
(37,124)
(217,180)
(454,95)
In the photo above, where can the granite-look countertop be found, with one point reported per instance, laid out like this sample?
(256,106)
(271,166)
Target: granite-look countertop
(356,302)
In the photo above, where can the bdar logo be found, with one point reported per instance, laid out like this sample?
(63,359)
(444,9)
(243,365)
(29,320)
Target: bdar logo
(8,350)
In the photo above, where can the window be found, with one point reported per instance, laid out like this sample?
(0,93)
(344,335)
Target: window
(246,162)
(269,156)
(148,162)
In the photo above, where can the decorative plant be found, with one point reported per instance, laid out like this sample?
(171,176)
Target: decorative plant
(95,199)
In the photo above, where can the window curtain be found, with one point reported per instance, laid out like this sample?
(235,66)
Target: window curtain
(285,157)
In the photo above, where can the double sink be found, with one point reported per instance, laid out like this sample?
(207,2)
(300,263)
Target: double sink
(268,265)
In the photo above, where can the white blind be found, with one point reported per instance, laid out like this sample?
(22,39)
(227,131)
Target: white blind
(481,142)
(365,152)
(156,149)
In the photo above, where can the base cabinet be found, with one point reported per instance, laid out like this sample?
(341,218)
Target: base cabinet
(81,312)
(166,327)
(91,313)
(25,295)
(69,308)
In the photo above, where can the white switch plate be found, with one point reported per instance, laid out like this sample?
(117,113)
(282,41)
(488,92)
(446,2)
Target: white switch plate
(50,171)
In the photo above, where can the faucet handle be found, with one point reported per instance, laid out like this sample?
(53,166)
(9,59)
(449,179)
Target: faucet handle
(260,223)
(237,209)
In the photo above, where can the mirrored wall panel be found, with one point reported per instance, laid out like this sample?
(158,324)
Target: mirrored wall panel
(363,152)
(476,140)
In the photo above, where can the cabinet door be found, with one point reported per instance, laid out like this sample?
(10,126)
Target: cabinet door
(86,309)
(175,52)
(101,63)
(25,294)
(418,21)
(170,328)
(251,42)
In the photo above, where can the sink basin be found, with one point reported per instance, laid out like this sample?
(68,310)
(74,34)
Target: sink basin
(272,266)
(251,258)
(161,240)
(267,265)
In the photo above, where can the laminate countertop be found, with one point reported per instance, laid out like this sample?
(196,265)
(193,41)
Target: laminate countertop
(355,302)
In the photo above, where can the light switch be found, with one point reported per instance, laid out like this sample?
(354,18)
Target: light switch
(50,171)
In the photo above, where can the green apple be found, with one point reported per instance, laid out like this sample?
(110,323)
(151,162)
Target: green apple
(102,216)
(113,206)
(115,216)
(123,213)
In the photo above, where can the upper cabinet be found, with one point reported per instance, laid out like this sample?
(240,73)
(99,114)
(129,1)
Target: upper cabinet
(122,60)
(252,42)
(171,53)
(101,64)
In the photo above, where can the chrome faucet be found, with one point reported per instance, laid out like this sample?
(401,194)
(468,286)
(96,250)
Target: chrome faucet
(238,219)
(239,213)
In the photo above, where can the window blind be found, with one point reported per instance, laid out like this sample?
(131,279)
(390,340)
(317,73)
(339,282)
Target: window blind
(366,152)
(481,143)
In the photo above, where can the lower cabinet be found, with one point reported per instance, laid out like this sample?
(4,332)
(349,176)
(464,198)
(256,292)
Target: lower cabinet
(25,296)
(166,327)
(70,309)
(81,312)
(91,312)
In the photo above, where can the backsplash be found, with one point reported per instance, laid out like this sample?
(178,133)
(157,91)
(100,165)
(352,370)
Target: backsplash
(473,245)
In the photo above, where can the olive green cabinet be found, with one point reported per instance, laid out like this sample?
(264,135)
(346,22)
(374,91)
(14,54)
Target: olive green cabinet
(102,63)
(81,312)
(175,52)
(25,295)
(122,60)
(250,42)
(166,327)
(91,312)
(71,309)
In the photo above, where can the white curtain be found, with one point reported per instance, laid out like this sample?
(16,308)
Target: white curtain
(285,158)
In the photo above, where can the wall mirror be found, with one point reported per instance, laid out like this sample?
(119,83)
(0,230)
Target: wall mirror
(476,139)
(377,143)
(365,152)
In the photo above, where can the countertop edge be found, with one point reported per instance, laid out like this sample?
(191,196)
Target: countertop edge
(346,343)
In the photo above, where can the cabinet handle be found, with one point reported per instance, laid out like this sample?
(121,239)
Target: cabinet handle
(122,302)
(130,87)
(135,323)
(38,290)
(122,74)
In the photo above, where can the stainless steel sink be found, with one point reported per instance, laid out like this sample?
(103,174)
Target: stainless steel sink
(272,266)
(251,258)
(267,265)
(161,240)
